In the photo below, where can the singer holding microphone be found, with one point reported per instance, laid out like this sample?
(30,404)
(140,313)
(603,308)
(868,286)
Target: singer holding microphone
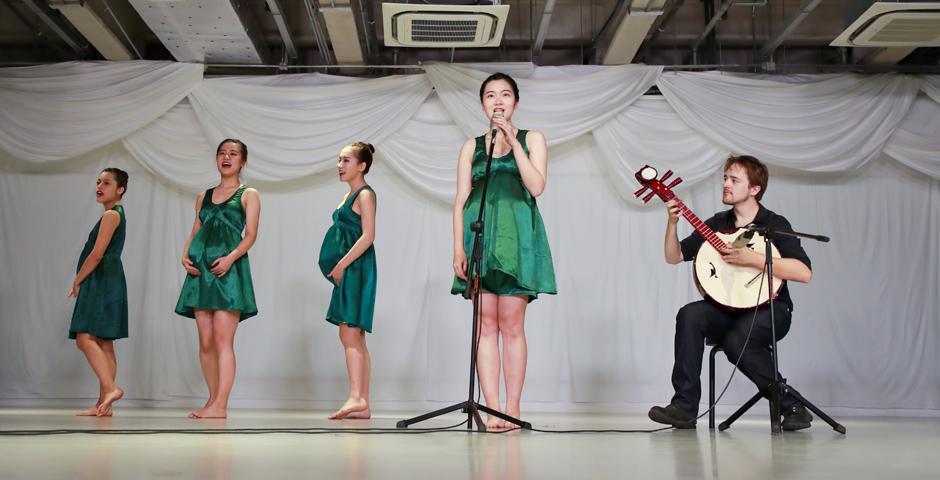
(517,262)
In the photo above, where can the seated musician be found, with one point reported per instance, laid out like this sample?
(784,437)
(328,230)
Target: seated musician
(745,181)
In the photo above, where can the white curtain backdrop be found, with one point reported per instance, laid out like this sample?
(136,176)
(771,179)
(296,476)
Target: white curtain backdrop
(174,147)
(916,142)
(298,131)
(563,108)
(651,133)
(932,87)
(853,157)
(54,112)
(835,124)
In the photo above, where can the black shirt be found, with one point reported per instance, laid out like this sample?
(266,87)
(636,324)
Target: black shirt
(788,246)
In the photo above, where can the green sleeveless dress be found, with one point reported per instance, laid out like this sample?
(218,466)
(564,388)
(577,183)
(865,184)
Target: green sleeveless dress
(516,256)
(353,300)
(220,233)
(101,306)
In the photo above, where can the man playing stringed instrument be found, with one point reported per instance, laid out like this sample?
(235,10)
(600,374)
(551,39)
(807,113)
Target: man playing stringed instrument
(745,181)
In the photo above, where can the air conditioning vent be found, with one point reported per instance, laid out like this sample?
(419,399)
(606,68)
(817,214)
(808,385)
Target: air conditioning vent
(439,30)
(443,26)
(894,25)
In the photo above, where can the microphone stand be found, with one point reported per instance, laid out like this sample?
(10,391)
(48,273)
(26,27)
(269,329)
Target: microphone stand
(779,386)
(472,291)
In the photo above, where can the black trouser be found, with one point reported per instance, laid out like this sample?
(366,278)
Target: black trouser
(702,319)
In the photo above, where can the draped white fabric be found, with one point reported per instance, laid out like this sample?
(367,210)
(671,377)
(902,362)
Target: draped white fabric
(932,87)
(296,123)
(423,152)
(651,133)
(916,142)
(562,108)
(835,124)
(859,161)
(174,147)
(299,131)
(54,112)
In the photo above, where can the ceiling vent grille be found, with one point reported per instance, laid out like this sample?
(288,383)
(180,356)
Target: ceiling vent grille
(894,25)
(443,26)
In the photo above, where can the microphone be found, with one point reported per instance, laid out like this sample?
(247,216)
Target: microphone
(493,130)
(493,127)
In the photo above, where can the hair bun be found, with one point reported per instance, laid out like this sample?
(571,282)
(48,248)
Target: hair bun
(371,148)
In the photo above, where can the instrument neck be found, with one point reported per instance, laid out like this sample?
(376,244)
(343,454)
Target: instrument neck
(701,228)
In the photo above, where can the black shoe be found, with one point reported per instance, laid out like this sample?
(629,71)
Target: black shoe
(796,418)
(674,415)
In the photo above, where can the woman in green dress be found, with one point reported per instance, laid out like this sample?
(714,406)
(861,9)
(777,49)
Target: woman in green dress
(100,291)
(517,262)
(347,259)
(218,291)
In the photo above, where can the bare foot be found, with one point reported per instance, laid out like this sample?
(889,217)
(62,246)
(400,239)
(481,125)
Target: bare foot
(508,426)
(495,424)
(106,412)
(92,411)
(209,412)
(351,406)
(514,413)
(195,414)
(88,412)
(361,414)
(109,398)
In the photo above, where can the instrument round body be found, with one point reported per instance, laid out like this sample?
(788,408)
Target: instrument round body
(732,286)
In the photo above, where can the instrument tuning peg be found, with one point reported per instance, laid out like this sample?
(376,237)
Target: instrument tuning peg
(675,182)
(640,191)
(648,197)
(665,176)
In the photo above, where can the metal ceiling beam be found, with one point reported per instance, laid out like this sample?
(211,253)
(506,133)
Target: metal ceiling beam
(343,32)
(606,33)
(312,7)
(54,21)
(805,8)
(543,27)
(363,12)
(712,23)
(741,40)
(35,29)
(620,10)
(278,13)
(658,28)
(632,30)
(779,68)
(252,29)
(92,26)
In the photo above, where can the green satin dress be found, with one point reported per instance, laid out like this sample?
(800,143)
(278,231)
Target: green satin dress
(516,256)
(220,233)
(353,300)
(101,305)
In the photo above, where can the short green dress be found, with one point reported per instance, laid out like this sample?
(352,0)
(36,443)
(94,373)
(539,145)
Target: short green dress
(101,306)
(353,300)
(516,256)
(220,233)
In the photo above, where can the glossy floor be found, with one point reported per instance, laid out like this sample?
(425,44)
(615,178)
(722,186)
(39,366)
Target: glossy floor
(874,448)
